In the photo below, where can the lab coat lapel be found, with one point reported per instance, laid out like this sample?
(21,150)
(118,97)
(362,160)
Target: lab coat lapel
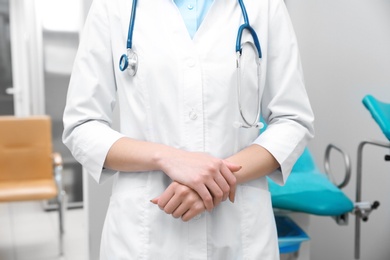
(220,22)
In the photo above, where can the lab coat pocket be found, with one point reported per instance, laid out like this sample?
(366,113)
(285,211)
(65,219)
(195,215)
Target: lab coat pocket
(258,224)
(124,234)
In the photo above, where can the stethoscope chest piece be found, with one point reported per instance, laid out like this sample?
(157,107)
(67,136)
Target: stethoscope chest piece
(129,61)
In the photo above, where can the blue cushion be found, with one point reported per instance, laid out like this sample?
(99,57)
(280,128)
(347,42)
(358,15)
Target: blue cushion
(310,191)
(380,111)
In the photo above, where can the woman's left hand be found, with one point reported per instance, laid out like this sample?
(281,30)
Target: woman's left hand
(180,201)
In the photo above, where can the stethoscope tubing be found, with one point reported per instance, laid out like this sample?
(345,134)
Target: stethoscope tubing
(246,26)
(132,56)
(254,36)
(131,26)
(124,61)
(246,123)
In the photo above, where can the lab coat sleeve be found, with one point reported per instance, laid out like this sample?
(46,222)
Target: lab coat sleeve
(92,96)
(285,105)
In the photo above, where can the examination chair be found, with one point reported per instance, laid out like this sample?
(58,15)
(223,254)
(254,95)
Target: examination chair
(29,170)
(308,190)
(311,191)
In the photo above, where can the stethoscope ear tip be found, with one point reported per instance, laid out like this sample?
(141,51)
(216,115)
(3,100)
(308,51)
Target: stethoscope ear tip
(260,125)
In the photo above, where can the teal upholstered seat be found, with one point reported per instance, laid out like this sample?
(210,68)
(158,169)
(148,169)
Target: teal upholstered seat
(310,191)
(380,111)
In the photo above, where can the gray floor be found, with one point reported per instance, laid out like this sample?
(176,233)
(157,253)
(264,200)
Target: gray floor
(27,231)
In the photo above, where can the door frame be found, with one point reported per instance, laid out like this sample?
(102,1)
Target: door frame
(27,58)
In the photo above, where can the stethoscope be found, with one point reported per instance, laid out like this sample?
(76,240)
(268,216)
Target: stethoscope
(129,62)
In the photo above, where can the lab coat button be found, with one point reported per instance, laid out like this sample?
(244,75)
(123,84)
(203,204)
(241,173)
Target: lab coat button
(190,7)
(193,115)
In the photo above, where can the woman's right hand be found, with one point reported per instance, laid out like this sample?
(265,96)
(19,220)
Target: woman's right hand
(210,177)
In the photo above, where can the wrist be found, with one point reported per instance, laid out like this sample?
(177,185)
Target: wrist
(162,156)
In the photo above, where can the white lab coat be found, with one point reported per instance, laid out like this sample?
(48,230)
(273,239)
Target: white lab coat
(185,95)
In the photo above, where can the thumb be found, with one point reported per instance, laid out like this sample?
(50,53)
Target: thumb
(232,166)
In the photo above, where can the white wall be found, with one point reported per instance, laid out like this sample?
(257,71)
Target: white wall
(345,49)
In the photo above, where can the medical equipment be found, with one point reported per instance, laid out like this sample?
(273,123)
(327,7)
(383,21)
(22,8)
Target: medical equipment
(246,26)
(129,62)
(310,191)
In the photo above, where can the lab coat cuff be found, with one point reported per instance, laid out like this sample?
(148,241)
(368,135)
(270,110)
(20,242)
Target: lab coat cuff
(104,175)
(96,168)
(94,148)
(286,143)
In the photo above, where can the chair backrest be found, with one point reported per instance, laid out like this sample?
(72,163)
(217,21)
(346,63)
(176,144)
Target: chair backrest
(380,111)
(25,148)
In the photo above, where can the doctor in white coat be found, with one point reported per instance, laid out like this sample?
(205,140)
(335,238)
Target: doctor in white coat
(190,183)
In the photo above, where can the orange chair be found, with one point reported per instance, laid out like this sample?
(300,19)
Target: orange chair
(28,168)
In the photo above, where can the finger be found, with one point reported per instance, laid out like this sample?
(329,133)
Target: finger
(223,185)
(180,210)
(165,197)
(205,195)
(155,200)
(232,167)
(173,204)
(228,175)
(232,194)
(193,211)
(217,192)
(231,179)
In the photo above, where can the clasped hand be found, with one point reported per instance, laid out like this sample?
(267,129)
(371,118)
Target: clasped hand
(200,182)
